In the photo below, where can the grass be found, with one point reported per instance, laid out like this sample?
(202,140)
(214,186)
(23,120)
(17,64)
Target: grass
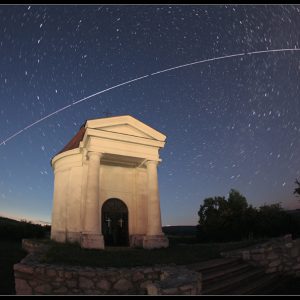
(10,253)
(72,254)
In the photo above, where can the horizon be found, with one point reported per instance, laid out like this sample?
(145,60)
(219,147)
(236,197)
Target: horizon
(43,222)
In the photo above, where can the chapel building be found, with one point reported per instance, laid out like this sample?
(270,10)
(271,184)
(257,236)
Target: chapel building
(106,189)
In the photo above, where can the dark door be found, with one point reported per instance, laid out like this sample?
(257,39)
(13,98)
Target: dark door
(115,222)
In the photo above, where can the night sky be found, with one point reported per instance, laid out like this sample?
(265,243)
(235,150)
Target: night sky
(230,123)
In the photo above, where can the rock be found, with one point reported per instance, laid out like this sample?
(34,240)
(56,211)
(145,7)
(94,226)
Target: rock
(40,271)
(87,273)
(71,283)
(68,275)
(258,257)
(170,291)
(91,292)
(294,252)
(103,285)
(61,291)
(51,273)
(275,263)
(272,256)
(148,270)
(23,268)
(166,273)
(137,276)
(56,285)
(61,273)
(258,251)
(59,279)
(22,287)
(85,283)
(271,270)
(144,284)
(123,285)
(152,289)
(44,289)
(186,287)
(33,282)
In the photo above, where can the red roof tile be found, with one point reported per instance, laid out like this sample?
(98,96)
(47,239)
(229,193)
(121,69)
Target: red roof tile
(74,142)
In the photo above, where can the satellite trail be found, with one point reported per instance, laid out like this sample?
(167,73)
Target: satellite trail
(140,78)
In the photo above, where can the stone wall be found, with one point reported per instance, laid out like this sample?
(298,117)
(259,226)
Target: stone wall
(35,278)
(34,246)
(277,255)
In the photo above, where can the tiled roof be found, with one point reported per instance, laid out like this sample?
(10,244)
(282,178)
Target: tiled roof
(74,142)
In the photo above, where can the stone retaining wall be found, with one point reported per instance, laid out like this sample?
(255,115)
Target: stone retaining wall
(277,255)
(34,246)
(35,278)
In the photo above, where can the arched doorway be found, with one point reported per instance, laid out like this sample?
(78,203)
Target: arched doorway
(115,222)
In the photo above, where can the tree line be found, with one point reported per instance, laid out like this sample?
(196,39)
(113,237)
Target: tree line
(232,219)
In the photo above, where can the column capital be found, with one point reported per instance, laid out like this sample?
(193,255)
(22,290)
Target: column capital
(94,155)
(151,162)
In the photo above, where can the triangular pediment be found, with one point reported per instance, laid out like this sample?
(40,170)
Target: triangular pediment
(126,125)
(125,129)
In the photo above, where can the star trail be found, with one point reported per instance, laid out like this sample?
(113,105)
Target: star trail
(220,81)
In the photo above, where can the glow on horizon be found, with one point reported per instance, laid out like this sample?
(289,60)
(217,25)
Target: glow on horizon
(27,218)
(289,205)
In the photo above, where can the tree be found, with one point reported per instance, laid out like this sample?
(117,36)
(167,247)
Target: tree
(297,189)
(223,220)
(237,202)
(210,218)
(271,220)
(232,219)
(237,220)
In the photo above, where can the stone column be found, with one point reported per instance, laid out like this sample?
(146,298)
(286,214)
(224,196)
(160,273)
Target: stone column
(155,237)
(91,236)
(58,226)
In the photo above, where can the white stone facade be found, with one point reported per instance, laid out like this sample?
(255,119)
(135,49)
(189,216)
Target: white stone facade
(117,158)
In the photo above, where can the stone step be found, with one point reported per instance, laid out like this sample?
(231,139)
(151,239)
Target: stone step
(213,264)
(232,276)
(226,284)
(213,275)
(262,285)
(276,287)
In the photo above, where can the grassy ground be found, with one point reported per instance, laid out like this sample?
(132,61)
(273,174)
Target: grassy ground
(128,257)
(10,253)
(181,251)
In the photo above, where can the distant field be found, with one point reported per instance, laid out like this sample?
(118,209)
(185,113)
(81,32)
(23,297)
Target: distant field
(180,230)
